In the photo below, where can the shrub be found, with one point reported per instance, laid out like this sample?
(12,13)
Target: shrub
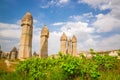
(118,52)
(66,67)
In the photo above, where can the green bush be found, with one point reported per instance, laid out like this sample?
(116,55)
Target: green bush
(9,76)
(118,52)
(105,62)
(66,67)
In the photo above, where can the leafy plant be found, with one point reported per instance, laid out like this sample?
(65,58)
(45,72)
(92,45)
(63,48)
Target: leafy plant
(105,62)
(118,52)
(92,51)
(66,67)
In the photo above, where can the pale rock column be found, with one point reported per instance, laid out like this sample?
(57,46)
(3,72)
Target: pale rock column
(25,47)
(44,42)
(69,46)
(63,41)
(74,45)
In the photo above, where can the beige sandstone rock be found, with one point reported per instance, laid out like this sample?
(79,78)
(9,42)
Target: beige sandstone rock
(25,47)
(69,46)
(74,45)
(63,40)
(44,42)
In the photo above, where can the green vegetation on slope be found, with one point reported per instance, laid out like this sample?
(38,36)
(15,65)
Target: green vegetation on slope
(66,67)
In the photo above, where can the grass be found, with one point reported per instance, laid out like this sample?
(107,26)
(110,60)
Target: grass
(4,67)
(111,74)
(8,73)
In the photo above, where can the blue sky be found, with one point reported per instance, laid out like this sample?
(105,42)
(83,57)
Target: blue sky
(96,23)
(41,9)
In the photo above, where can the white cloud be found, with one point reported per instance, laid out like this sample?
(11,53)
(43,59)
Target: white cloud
(114,5)
(9,35)
(18,22)
(95,3)
(88,15)
(58,23)
(73,27)
(36,42)
(84,17)
(76,17)
(59,3)
(105,6)
(109,43)
(106,23)
(36,39)
(9,26)
(63,1)
(90,42)
(9,30)
(51,3)
(54,42)
(35,21)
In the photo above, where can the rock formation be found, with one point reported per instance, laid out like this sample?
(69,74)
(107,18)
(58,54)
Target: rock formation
(13,54)
(63,41)
(35,54)
(74,45)
(25,47)
(44,42)
(69,46)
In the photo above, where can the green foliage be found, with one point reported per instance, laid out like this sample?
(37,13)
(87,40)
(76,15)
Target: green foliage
(89,70)
(9,75)
(66,67)
(92,51)
(39,68)
(71,67)
(118,52)
(105,62)
(2,72)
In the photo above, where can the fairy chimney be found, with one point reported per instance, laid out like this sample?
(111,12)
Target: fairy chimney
(69,46)
(63,41)
(25,47)
(74,45)
(44,42)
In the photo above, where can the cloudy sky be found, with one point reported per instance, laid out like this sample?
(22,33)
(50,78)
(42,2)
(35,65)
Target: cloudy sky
(96,23)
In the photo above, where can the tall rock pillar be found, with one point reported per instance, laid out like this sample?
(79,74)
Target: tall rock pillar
(44,42)
(25,47)
(63,41)
(69,46)
(74,45)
